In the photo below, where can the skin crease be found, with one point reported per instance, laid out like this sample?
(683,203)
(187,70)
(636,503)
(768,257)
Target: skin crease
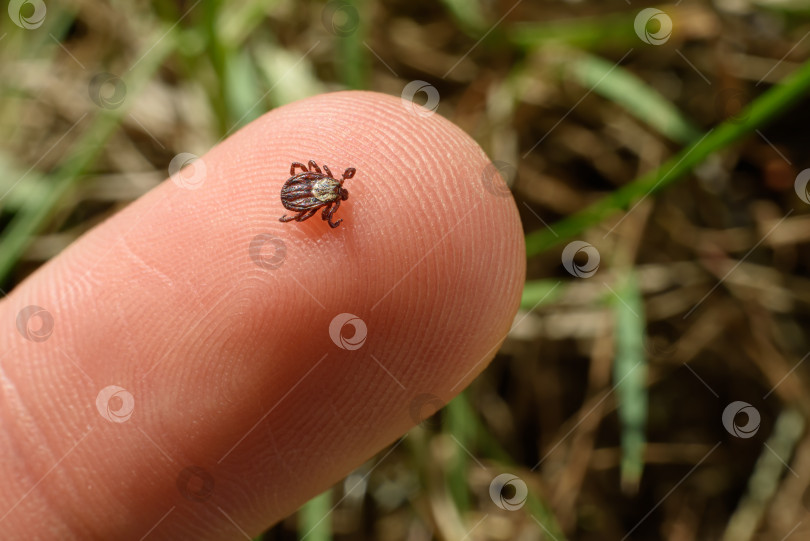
(231,365)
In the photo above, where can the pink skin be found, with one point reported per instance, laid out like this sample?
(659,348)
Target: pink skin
(165,301)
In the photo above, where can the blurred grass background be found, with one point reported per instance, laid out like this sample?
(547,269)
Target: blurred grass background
(607,397)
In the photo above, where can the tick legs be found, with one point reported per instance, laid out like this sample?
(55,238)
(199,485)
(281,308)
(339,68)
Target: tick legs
(314,166)
(347,174)
(329,211)
(301,165)
(300,217)
(327,214)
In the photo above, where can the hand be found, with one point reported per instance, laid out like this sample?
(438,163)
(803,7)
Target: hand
(232,403)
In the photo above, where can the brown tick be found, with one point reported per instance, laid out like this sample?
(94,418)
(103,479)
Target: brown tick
(310,190)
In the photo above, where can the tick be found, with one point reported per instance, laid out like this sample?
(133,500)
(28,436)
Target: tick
(310,190)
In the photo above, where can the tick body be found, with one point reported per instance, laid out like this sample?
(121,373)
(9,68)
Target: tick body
(311,190)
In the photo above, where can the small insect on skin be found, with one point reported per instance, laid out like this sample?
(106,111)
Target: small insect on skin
(310,190)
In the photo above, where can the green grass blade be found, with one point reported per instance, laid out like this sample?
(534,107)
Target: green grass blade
(353,56)
(35,212)
(637,97)
(486,441)
(582,32)
(767,476)
(630,377)
(243,100)
(34,187)
(287,76)
(237,23)
(313,518)
(469,16)
(539,292)
(460,424)
(765,108)
(217,55)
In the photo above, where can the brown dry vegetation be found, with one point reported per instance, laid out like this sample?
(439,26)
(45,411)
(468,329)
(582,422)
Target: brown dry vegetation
(717,264)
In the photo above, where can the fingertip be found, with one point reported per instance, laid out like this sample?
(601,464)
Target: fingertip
(280,354)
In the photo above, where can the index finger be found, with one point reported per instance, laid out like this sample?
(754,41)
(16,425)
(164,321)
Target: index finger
(231,332)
